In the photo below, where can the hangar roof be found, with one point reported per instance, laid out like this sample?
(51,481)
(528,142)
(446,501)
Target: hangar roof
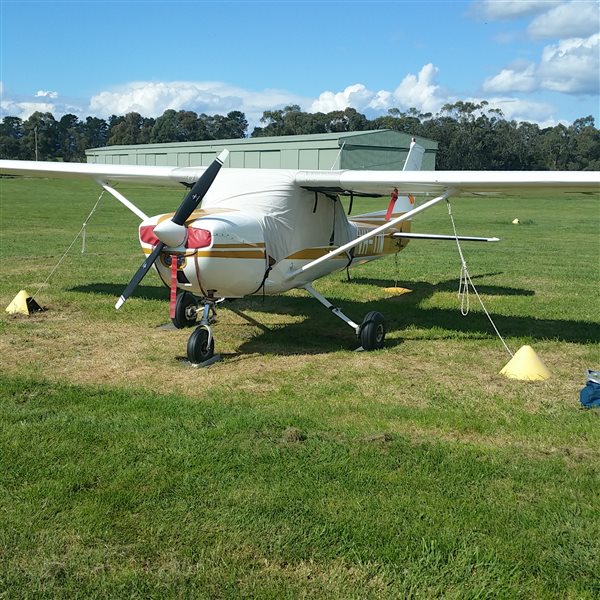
(374,137)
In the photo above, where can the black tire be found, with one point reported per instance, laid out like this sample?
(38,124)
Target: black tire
(198,348)
(372,331)
(184,315)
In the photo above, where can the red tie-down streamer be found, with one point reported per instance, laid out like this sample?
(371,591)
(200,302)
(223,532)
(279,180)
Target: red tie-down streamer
(390,210)
(173,286)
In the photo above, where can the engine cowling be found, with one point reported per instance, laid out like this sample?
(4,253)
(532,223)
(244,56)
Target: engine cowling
(223,255)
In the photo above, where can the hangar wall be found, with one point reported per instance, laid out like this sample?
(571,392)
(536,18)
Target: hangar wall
(383,149)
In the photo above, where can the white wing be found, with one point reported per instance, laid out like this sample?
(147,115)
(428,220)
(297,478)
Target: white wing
(370,183)
(103,173)
(381,183)
(442,184)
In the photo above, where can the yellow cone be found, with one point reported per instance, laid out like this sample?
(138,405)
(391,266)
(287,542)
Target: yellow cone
(23,304)
(526,365)
(397,290)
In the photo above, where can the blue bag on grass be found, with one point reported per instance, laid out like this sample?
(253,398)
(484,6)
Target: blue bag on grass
(590,394)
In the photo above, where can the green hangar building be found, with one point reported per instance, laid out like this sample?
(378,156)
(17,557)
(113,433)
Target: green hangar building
(381,150)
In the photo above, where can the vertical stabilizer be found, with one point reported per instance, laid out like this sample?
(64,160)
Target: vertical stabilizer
(414,158)
(398,204)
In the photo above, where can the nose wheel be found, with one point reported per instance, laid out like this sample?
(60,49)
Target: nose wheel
(201,344)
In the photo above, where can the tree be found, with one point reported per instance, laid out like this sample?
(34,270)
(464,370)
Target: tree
(11,134)
(167,128)
(95,132)
(71,138)
(132,129)
(236,125)
(278,122)
(587,145)
(192,127)
(556,147)
(218,127)
(40,137)
(470,135)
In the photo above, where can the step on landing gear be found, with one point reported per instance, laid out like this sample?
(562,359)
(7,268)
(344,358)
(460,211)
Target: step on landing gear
(370,333)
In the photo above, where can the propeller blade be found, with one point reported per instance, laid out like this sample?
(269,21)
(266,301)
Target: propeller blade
(139,275)
(193,199)
(173,230)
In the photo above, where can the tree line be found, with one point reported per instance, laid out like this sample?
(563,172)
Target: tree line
(471,136)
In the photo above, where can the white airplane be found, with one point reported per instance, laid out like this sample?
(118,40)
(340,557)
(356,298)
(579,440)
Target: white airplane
(266,231)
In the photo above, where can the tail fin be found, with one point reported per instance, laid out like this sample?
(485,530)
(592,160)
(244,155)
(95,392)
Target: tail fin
(414,158)
(398,204)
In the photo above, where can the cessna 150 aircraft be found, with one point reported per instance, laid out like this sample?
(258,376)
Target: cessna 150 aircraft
(251,231)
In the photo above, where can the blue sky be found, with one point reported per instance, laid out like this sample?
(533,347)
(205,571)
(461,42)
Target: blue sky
(536,60)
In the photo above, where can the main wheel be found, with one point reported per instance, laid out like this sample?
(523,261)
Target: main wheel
(198,348)
(372,331)
(186,310)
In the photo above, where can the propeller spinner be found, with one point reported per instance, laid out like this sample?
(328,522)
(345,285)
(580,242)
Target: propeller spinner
(172,232)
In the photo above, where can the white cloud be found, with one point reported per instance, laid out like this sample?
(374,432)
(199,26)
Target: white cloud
(23,106)
(151,98)
(24,110)
(568,20)
(420,91)
(494,10)
(573,59)
(518,109)
(572,66)
(46,94)
(381,101)
(519,78)
(357,96)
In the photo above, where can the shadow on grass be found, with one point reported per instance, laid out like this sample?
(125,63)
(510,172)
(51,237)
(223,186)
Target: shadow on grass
(322,332)
(425,289)
(145,292)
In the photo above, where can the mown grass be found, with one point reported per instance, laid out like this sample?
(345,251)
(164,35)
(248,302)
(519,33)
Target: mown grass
(297,467)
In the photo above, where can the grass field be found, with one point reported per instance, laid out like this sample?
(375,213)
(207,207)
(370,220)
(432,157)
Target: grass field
(297,468)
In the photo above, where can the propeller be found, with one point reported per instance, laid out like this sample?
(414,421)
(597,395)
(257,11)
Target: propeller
(172,232)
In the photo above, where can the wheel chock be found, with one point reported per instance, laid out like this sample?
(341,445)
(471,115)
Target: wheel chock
(211,361)
(23,304)
(526,365)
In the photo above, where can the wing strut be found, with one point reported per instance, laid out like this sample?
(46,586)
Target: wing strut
(128,204)
(370,234)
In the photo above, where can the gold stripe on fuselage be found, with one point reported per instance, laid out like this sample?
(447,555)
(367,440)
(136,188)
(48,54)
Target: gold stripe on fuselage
(249,246)
(312,253)
(233,251)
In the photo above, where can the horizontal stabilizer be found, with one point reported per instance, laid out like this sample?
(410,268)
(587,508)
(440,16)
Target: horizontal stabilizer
(435,236)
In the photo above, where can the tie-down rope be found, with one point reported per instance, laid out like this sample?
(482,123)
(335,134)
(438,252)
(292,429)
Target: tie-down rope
(464,282)
(80,232)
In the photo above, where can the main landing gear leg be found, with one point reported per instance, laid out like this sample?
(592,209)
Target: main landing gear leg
(370,333)
(201,344)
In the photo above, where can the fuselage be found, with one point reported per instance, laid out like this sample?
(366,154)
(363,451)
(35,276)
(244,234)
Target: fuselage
(237,247)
